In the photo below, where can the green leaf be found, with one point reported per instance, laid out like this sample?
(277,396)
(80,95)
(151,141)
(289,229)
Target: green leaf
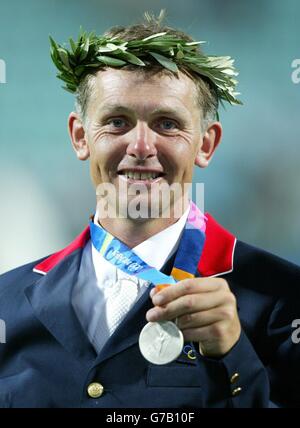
(94,65)
(179,55)
(73,45)
(53,44)
(133,59)
(153,36)
(194,43)
(79,70)
(113,62)
(112,47)
(64,57)
(84,50)
(104,49)
(71,87)
(65,79)
(72,91)
(165,62)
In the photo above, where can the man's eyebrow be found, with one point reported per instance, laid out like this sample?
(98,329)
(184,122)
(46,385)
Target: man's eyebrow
(177,111)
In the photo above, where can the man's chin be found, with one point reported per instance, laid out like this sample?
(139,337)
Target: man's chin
(138,201)
(139,208)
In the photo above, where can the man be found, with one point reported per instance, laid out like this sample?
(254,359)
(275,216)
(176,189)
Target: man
(146,114)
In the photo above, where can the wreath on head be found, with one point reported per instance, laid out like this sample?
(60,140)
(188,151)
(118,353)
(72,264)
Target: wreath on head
(91,52)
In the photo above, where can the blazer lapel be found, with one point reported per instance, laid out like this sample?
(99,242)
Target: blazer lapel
(50,298)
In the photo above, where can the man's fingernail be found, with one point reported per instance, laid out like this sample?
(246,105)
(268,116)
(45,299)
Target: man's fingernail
(152,292)
(158,300)
(151,315)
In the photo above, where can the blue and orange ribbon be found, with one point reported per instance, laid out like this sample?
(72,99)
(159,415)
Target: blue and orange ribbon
(186,261)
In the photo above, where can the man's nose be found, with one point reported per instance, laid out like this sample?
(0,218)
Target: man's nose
(142,141)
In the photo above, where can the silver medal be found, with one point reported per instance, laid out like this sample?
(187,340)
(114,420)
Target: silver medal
(161,342)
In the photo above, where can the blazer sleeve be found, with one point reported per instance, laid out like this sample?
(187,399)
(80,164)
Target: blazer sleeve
(241,379)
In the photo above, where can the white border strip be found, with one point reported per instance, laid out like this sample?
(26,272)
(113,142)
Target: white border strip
(232,257)
(39,271)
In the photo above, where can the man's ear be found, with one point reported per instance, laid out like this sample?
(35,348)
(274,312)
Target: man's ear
(78,137)
(210,141)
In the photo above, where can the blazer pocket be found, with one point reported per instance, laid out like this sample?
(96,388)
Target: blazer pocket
(174,376)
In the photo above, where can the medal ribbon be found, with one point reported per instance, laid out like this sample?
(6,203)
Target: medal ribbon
(186,261)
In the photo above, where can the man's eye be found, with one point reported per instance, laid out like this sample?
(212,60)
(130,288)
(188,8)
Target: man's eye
(117,123)
(167,125)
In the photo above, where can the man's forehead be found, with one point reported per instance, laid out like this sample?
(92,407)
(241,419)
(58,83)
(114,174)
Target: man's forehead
(121,89)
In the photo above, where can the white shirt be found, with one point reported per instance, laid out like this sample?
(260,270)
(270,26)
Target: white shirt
(97,277)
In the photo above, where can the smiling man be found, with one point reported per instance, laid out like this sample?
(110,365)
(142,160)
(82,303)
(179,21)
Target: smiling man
(143,142)
(143,310)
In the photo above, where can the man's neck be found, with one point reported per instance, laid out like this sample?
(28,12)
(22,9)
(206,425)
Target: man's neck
(132,232)
(135,231)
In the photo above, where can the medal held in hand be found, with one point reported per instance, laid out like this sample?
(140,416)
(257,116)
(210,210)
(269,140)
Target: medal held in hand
(160,342)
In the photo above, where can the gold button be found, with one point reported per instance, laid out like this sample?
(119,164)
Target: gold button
(236,391)
(95,390)
(234,377)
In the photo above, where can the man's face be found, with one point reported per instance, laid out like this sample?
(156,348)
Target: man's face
(142,130)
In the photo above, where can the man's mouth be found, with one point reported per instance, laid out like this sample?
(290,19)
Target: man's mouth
(141,175)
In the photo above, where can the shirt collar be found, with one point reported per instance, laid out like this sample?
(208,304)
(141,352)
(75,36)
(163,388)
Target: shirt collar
(159,248)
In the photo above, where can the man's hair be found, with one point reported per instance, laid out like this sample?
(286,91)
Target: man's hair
(207,99)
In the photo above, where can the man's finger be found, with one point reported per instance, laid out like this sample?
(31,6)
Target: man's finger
(188,286)
(205,318)
(189,304)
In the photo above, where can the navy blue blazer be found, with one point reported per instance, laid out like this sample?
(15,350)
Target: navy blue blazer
(48,361)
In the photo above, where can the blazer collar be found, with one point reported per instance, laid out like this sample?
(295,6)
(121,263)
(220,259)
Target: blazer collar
(216,259)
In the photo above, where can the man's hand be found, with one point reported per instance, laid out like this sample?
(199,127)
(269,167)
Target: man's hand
(206,313)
